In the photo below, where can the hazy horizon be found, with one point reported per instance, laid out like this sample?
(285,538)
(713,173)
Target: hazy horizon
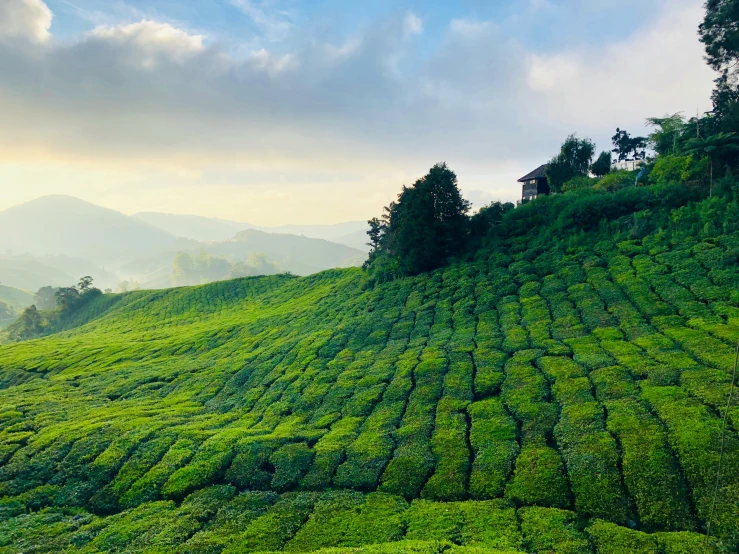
(289,112)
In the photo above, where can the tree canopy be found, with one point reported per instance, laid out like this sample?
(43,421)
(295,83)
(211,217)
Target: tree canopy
(602,165)
(628,147)
(425,227)
(572,161)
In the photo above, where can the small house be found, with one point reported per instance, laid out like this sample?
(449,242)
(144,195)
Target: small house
(535,183)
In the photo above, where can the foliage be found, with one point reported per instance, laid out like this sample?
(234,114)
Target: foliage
(425,227)
(206,268)
(616,180)
(627,147)
(573,161)
(675,169)
(602,164)
(579,183)
(718,32)
(561,388)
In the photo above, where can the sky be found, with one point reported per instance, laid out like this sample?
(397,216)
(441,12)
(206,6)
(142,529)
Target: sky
(319,111)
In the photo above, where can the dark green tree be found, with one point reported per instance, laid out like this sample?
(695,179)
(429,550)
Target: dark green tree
(28,326)
(572,161)
(375,233)
(427,225)
(67,299)
(602,165)
(719,33)
(628,147)
(85,284)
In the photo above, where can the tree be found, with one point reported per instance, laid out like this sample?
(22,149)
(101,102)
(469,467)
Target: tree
(602,165)
(427,225)
(28,326)
(45,298)
(712,146)
(719,33)
(67,299)
(85,284)
(668,135)
(628,147)
(572,161)
(375,233)
(6,312)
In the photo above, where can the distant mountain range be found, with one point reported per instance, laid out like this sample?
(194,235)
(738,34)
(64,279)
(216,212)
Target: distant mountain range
(56,239)
(351,233)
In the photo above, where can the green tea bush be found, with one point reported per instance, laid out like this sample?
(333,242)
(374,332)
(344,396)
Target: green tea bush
(552,530)
(539,479)
(494,442)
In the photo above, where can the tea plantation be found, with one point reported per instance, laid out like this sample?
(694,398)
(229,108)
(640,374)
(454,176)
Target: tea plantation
(562,398)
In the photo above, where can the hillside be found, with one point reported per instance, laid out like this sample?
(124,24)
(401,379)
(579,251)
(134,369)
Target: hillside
(33,272)
(560,391)
(67,226)
(301,255)
(12,302)
(15,298)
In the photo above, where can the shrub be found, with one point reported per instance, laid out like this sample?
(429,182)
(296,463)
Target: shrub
(539,479)
(291,462)
(612,539)
(493,440)
(552,530)
(616,180)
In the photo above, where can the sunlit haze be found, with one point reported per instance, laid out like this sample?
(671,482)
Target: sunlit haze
(288,111)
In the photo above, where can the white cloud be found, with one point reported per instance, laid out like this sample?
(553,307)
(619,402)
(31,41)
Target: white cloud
(147,42)
(545,73)
(266,61)
(367,104)
(28,20)
(275,23)
(412,24)
(656,71)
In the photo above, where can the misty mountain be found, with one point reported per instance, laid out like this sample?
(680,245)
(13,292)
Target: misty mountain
(296,254)
(55,240)
(194,227)
(31,273)
(63,225)
(350,233)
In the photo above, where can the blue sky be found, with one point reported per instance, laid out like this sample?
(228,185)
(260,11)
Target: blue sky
(290,111)
(542,24)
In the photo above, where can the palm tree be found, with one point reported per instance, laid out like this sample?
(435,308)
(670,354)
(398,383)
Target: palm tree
(720,143)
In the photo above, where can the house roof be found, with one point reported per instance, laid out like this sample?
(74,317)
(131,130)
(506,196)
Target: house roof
(538,173)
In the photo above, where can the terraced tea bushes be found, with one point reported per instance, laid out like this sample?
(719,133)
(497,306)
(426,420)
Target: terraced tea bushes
(567,399)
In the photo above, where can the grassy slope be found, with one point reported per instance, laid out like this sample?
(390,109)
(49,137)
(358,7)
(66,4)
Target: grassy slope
(571,395)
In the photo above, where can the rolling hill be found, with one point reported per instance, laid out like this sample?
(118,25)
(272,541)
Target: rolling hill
(543,396)
(67,226)
(54,240)
(15,298)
